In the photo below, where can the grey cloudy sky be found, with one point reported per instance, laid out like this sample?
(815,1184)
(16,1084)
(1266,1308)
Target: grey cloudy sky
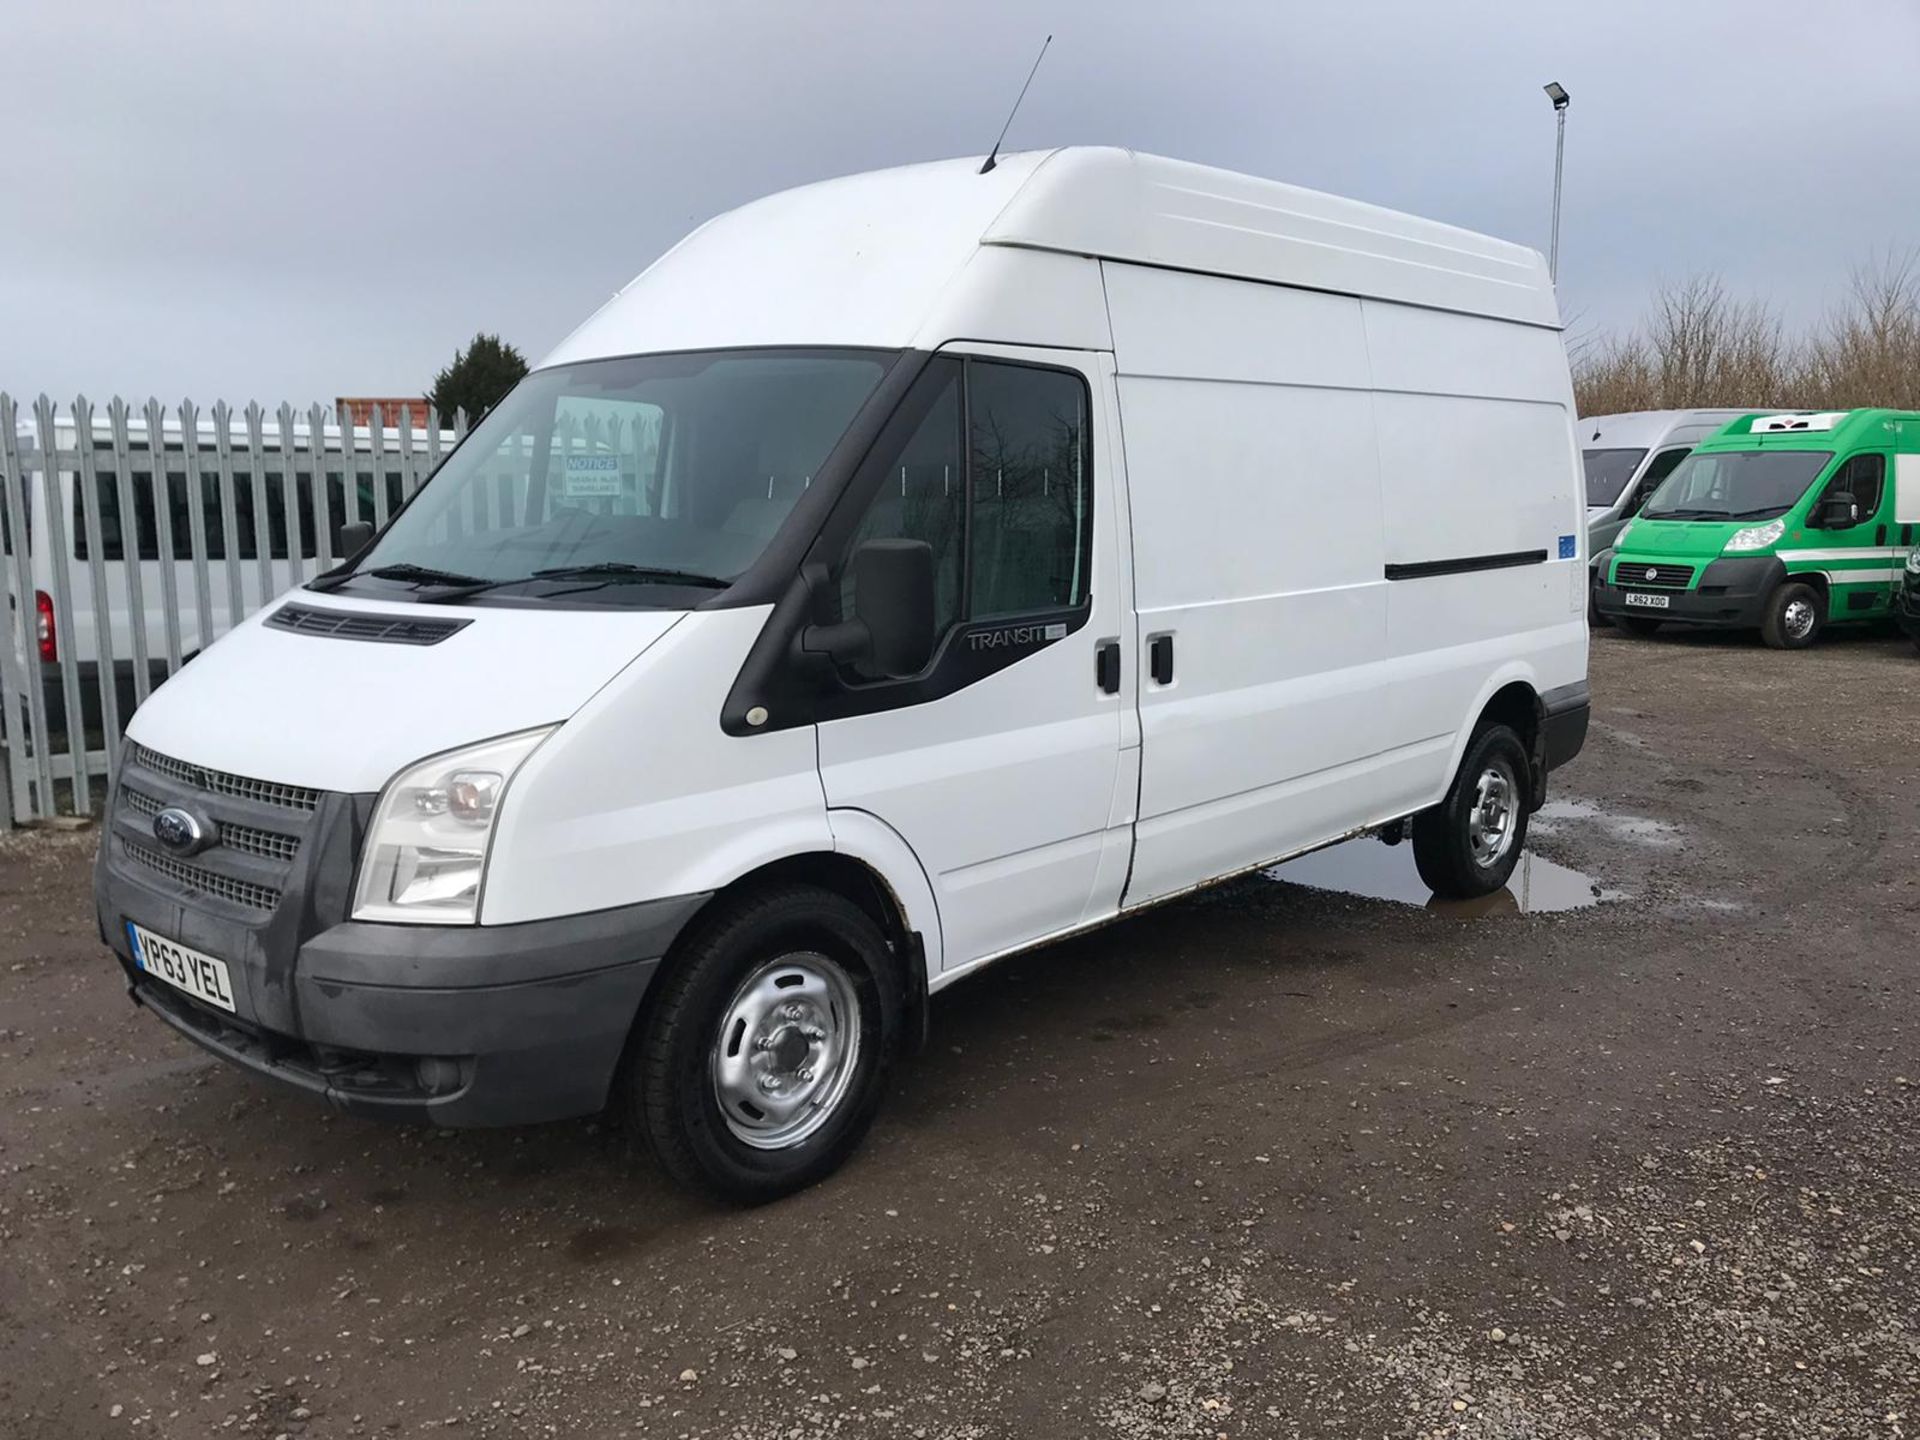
(298,200)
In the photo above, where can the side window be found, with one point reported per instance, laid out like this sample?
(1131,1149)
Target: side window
(1026,454)
(1866,477)
(1662,466)
(995,478)
(923,496)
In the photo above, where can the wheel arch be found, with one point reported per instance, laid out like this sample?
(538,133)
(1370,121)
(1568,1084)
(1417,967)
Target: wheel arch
(872,868)
(1510,696)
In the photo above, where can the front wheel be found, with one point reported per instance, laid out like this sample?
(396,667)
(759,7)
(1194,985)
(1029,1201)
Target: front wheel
(761,1061)
(1468,844)
(1793,617)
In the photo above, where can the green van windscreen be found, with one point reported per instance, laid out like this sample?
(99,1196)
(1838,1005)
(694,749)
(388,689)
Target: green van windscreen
(1735,484)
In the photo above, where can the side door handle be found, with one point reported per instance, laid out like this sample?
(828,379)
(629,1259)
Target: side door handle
(1106,666)
(1160,659)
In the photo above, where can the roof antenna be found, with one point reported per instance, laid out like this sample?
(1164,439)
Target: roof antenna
(993,156)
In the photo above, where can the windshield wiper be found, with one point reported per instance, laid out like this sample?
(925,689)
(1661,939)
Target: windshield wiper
(1685,514)
(619,571)
(404,570)
(423,574)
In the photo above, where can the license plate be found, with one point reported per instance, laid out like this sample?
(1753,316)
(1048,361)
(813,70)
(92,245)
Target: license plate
(1652,602)
(201,976)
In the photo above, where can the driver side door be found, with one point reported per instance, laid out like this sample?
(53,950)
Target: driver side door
(1009,764)
(1861,562)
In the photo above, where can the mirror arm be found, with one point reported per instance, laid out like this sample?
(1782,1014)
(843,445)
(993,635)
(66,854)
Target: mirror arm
(844,643)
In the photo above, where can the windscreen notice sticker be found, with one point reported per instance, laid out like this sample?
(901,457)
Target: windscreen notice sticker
(592,477)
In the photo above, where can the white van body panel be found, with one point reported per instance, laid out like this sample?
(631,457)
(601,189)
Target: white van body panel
(1123,205)
(345,715)
(868,839)
(644,796)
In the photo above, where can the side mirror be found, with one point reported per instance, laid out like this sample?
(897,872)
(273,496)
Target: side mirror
(891,630)
(1839,512)
(353,539)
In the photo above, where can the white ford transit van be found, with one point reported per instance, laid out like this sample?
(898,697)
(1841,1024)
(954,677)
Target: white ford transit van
(903,572)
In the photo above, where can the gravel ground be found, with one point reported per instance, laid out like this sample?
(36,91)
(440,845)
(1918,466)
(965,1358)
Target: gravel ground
(1271,1162)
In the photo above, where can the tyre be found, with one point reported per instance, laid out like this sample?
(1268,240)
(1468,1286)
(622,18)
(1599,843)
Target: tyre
(1794,616)
(1467,845)
(1637,625)
(759,1064)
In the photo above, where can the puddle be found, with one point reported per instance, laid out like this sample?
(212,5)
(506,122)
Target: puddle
(1551,818)
(1385,872)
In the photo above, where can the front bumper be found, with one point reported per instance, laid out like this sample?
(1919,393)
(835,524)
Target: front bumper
(456,1025)
(1730,594)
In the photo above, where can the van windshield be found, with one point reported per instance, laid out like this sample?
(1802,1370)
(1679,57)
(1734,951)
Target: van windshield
(1608,472)
(643,480)
(1736,484)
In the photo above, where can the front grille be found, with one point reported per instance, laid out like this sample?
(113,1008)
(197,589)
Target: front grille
(210,882)
(1667,577)
(219,782)
(357,625)
(250,838)
(259,842)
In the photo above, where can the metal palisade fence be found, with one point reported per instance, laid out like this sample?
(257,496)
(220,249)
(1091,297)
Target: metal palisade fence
(133,539)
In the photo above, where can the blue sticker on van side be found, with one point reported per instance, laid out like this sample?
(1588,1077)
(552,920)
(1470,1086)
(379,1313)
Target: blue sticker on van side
(1569,547)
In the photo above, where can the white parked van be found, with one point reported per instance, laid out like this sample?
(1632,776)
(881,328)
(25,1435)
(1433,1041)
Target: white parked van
(1627,456)
(904,572)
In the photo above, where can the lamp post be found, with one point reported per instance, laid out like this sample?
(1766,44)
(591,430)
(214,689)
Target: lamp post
(1557,93)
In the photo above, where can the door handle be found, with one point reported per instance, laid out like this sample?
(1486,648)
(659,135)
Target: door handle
(1160,659)
(1106,666)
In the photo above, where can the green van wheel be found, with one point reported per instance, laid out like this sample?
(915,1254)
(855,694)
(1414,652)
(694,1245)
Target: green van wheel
(1794,616)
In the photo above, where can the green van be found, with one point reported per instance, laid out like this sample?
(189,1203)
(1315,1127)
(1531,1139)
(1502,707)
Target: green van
(1782,523)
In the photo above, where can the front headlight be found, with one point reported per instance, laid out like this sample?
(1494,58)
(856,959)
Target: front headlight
(1913,561)
(427,847)
(1758,537)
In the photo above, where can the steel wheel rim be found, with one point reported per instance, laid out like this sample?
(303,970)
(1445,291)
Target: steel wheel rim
(1492,821)
(1798,619)
(786,1050)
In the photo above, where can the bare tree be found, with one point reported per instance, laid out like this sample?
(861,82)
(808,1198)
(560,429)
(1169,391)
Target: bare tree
(1701,347)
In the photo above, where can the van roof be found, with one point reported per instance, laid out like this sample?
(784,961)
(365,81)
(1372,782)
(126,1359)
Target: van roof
(1643,429)
(1825,429)
(888,258)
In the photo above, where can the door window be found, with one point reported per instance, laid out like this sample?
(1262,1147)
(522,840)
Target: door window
(1864,477)
(995,478)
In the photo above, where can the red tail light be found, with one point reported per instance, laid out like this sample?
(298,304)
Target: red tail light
(43,607)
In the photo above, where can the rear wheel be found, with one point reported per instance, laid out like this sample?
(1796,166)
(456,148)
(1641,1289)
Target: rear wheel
(1468,844)
(1794,616)
(761,1061)
(1636,624)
